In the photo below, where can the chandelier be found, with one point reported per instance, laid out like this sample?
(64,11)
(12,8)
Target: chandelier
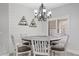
(42,14)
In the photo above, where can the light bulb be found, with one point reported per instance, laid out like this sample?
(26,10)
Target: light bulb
(35,12)
(44,10)
(39,14)
(50,12)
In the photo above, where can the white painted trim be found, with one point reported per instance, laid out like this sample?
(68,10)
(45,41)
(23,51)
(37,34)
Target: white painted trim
(4,54)
(60,17)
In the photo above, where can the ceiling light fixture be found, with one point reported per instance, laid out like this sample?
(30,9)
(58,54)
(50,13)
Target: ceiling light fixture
(42,14)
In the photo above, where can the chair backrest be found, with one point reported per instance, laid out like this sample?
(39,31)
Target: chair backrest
(15,45)
(13,42)
(63,42)
(67,38)
(40,46)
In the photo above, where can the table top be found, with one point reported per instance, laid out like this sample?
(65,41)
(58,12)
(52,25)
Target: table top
(42,37)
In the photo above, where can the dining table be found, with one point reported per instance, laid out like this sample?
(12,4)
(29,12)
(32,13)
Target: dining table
(51,38)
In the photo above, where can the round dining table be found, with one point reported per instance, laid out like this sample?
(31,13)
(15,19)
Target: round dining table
(51,38)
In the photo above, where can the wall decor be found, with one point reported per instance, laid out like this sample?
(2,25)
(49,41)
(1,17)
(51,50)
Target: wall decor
(23,21)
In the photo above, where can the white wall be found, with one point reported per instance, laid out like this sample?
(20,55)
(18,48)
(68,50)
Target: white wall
(16,11)
(4,28)
(71,10)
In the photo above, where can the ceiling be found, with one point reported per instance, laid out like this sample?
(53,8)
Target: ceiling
(47,5)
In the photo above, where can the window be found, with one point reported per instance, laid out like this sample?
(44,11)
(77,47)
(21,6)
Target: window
(57,26)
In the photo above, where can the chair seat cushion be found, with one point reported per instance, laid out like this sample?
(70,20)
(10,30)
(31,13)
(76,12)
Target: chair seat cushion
(53,43)
(26,43)
(57,48)
(23,49)
(26,40)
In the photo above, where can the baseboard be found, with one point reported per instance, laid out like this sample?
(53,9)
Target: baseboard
(4,54)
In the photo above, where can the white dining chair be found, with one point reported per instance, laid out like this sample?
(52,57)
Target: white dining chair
(13,53)
(23,50)
(41,47)
(61,45)
(20,49)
